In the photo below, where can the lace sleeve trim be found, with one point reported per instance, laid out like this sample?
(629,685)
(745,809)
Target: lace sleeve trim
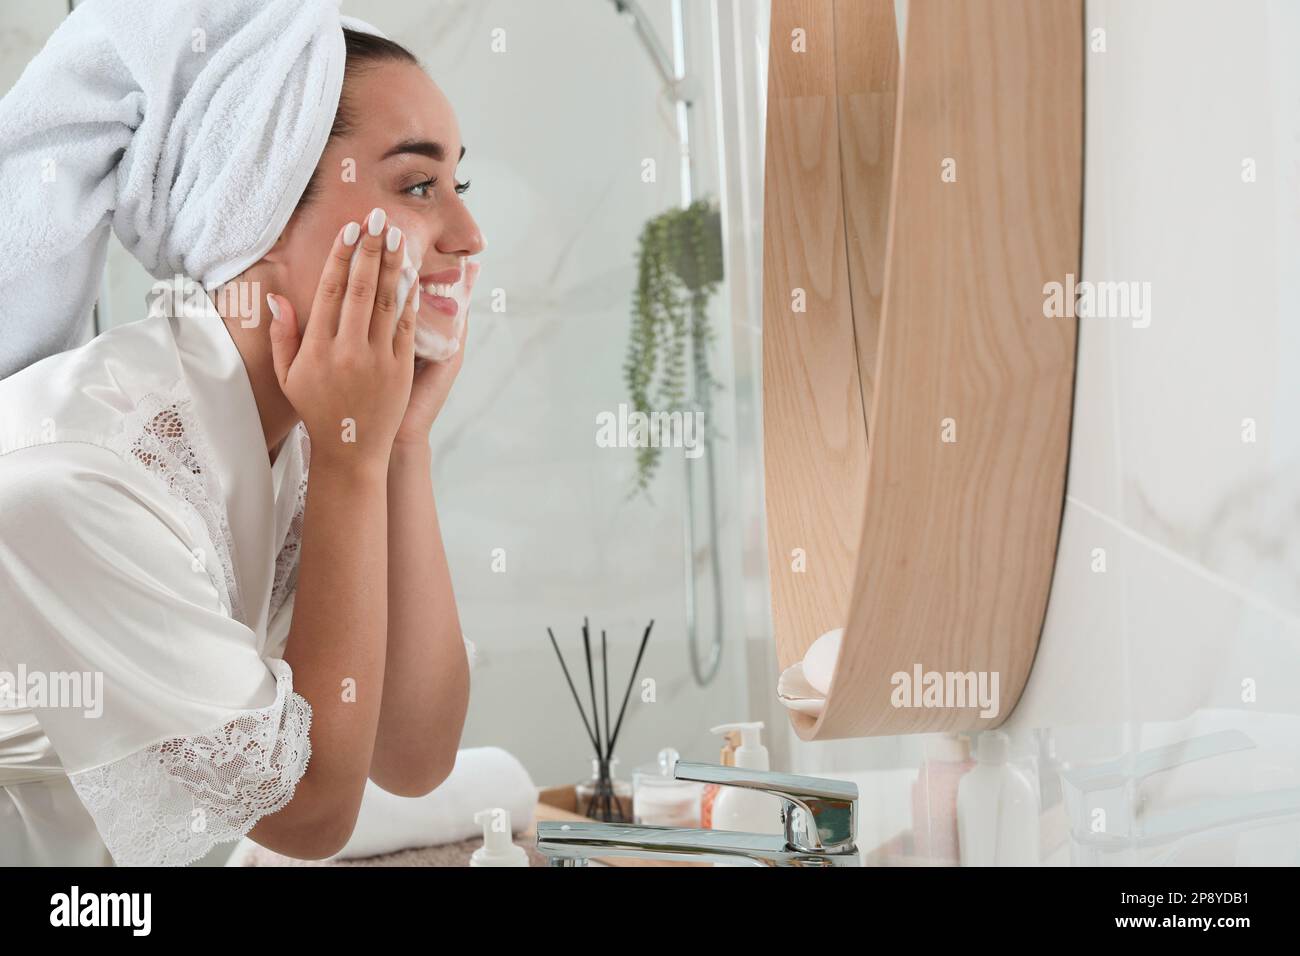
(172,802)
(162,435)
(286,561)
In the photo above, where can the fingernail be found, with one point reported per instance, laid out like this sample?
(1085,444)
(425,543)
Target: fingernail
(351,232)
(376,222)
(419,294)
(273,306)
(394,238)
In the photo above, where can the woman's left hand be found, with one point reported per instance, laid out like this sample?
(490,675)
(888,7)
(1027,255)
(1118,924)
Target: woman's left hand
(433,380)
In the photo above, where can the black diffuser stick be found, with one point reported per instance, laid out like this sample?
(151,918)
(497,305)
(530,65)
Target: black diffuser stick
(613,739)
(591,683)
(604,668)
(573,690)
(609,750)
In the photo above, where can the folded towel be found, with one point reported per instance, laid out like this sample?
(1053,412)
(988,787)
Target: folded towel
(190,129)
(483,777)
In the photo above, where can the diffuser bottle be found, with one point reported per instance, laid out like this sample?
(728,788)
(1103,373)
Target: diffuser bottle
(604,797)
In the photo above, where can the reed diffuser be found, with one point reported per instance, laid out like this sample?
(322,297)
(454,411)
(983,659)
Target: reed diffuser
(601,798)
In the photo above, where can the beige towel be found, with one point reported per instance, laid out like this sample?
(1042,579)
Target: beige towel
(447,854)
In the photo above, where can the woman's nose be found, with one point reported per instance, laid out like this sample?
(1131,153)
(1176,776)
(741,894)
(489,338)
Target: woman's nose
(461,234)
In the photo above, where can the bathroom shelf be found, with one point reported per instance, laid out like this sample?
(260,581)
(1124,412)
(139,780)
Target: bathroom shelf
(917,207)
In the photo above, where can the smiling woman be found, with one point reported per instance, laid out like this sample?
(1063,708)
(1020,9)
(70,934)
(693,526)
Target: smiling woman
(391,146)
(267,643)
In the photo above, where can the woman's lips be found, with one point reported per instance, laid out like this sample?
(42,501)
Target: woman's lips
(444,304)
(438,291)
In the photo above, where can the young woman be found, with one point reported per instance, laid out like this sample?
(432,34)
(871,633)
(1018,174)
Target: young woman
(199,643)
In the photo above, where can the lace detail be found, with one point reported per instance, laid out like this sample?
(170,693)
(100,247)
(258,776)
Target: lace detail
(286,562)
(163,435)
(169,804)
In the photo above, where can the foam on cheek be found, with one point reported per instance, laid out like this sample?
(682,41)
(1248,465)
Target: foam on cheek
(431,344)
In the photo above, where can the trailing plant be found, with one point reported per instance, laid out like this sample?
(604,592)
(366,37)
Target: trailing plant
(679,268)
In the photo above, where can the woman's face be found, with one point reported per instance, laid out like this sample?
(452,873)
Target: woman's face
(401,156)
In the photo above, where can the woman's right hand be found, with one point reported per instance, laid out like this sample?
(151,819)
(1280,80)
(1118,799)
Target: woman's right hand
(348,376)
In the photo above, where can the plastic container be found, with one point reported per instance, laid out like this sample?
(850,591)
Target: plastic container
(740,808)
(498,848)
(731,740)
(658,799)
(997,808)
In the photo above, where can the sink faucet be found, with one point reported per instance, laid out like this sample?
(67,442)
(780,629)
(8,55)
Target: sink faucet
(819,816)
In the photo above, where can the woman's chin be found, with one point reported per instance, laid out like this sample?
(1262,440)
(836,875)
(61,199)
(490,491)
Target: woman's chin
(432,343)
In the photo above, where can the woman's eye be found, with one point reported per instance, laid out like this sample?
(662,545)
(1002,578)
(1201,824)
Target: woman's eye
(421,189)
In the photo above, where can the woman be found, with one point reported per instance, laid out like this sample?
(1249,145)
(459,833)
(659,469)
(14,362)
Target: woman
(201,644)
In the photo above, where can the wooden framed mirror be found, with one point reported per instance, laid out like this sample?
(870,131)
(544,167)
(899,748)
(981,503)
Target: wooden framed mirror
(917,399)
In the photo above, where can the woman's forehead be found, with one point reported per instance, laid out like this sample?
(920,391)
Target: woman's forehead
(400,103)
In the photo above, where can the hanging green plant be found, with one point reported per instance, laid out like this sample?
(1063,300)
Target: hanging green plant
(679,268)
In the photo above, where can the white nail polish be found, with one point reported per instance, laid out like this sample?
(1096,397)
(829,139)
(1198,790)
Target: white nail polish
(351,232)
(394,238)
(273,306)
(376,223)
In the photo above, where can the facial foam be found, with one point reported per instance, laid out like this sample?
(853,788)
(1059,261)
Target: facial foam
(430,344)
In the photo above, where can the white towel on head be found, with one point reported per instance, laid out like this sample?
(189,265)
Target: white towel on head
(189,128)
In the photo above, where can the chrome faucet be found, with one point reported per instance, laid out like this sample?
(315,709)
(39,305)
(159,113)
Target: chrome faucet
(820,821)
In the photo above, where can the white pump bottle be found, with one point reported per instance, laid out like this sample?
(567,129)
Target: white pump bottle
(739,808)
(497,848)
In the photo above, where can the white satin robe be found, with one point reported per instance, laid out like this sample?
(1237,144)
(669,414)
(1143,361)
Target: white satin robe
(146,537)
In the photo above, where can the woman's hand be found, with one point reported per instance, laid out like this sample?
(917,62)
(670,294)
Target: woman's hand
(433,380)
(348,375)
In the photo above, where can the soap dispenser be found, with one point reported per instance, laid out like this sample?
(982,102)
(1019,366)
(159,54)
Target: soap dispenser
(497,848)
(997,808)
(741,808)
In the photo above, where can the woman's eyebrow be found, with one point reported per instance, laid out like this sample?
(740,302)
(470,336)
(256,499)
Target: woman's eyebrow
(422,147)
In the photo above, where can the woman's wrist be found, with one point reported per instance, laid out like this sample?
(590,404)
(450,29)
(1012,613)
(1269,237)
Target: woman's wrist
(410,452)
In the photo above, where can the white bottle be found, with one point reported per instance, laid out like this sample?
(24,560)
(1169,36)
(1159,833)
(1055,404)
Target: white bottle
(497,848)
(997,809)
(739,808)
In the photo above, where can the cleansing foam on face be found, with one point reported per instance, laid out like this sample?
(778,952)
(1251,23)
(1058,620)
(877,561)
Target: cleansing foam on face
(430,344)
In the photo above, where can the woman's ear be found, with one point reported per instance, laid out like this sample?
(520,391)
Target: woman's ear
(276,252)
